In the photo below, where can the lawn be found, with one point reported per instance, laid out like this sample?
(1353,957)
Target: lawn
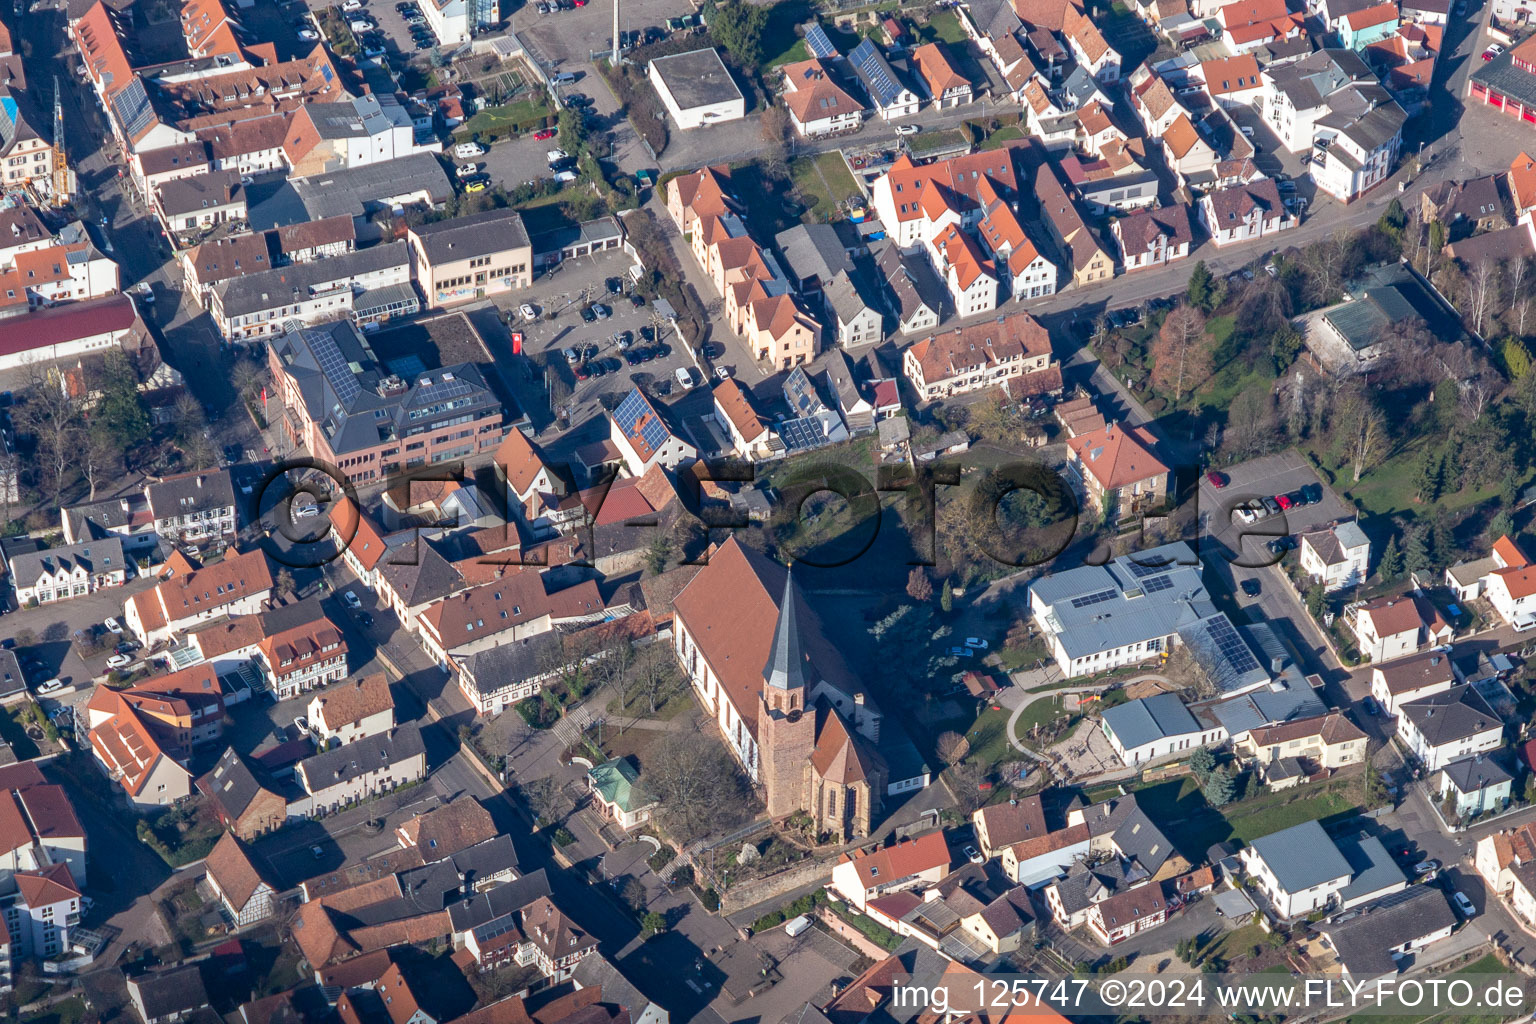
(989,738)
(822,181)
(1182,812)
(13,729)
(1040,713)
(1003,136)
(929,141)
(943,27)
(510,117)
(796,51)
(1390,488)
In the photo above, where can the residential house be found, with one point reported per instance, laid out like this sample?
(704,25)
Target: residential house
(1244,212)
(1232,81)
(889,94)
(1511,585)
(1088,45)
(737,415)
(946,86)
(915,202)
(645,437)
(1299,93)
(1186,151)
(239,585)
(38,826)
(981,356)
(1392,627)
(1330,740)
(1001,825)
(1337,557)
(42,909)
(368,285)
(1378,940)
(863,875)
(168,995)
(58,574)
(619,795)
(1448,726)
(1124,914)
(1300,870)
(915,297)
(778,331)
(1361,28)
(361,708)
(1520,181)
(1422,675)
(342,776)
(812,256)
(193,508)
(817,104)
(188,205)
(1118,469)
(1151,238)
(1475,785)
(246,897)
(447,829)
(856,320)
(240,801)
(130,753)
(1088,259)
(301,658)
(970,276)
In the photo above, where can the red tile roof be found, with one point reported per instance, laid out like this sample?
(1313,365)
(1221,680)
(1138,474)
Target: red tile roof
(900,860)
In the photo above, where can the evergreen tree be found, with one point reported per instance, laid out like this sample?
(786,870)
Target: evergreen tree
(1218,789)
(1431,479)
(946,598)
(1202,762)
(1502,525)
(1416,557)
(1317,600)
(1442,541)
(1202,290)
(1391,567)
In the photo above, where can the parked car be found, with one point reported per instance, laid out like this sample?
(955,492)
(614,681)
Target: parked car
(351,600)
(1251,587)
(1424,867)
(479,185)
(308,35)
(118,661)
(1216,480)
(51,686)
(602,311)
(1313,493)
(723,372)
(544,133)
(1494,49)
(1284,501)
(113,626)
(467,170)
(684,377)
(366,619)
(1369,703)
(587,315)
(465,150)
(352,5)
(1463,904)
(976,643)
(1271,506)
(973,855)
(908,129)
(615,285)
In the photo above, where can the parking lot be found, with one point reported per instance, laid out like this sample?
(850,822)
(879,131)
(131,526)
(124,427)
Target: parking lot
(573,285)
(511,162)
(565,38)
(1265,477)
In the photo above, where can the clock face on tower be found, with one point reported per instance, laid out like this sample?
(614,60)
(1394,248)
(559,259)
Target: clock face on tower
(794,716)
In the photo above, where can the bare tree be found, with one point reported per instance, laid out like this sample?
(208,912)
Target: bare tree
(1326,259)
(699,785)
(965,779)
(53,416)
(247,376)
(1483,290)
(1179,356)
(100,456)
(656,672)
(1366,433)
(951,747)
(1518,282)
(10,483)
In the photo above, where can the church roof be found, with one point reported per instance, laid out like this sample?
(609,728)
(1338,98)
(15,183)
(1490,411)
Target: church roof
(842,756)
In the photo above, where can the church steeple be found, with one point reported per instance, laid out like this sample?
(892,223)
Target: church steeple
(786,668)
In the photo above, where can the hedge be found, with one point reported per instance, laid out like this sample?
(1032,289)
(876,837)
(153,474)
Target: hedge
(804,905)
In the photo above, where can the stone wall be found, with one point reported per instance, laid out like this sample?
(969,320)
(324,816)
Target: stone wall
(764,889)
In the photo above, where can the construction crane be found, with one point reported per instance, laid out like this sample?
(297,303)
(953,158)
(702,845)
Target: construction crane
(61,172)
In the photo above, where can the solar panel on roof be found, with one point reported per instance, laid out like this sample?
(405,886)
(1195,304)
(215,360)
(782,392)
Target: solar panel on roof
(877,74)
(802,434)
(334,365)
(1233,650)
(818,42)
(133,107)
(1156,584)
(1096,598)
(635,415)
(1141,570)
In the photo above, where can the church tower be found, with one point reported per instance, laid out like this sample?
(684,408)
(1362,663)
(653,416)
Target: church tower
(786,733)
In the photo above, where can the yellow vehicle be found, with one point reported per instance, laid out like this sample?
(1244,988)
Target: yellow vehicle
(475,186)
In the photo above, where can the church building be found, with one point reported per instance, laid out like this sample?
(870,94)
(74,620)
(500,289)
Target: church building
(787,704)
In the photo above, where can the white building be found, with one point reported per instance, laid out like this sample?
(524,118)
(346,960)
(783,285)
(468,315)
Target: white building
(1338,557)
(1448,726)
(353,711)
(696,88)
(1394,683)
(1244,212)
(57,574)
(1298,869)
(344,775)
(455,21)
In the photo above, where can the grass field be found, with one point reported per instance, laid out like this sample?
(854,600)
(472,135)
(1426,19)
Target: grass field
(795,51)
(822,182)
(501,119)
(943,27)
(1004,135)
(1193,825)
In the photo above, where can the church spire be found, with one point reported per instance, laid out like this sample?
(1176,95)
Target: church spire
(786,661)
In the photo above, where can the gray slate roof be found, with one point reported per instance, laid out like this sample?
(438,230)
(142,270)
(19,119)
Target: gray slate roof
(1456,714)
(440,884)
(1139,722)
(1472,774)
(174,990)
(1362,942)
(353,191)
(283,286)
(204,491)
(1372,865)
(1302,856)
(94,556)
(351,760)
(696,78)
(1501,75)
(231,784)
(813,251)
(479,234)
(504,899)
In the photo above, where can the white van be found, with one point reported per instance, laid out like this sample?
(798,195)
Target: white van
(465,150)
(564,78)
(797,926)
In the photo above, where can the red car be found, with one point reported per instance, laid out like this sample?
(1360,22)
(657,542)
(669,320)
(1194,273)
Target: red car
(1217,480)
(1493,51)
(1284,501)
(544,133)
